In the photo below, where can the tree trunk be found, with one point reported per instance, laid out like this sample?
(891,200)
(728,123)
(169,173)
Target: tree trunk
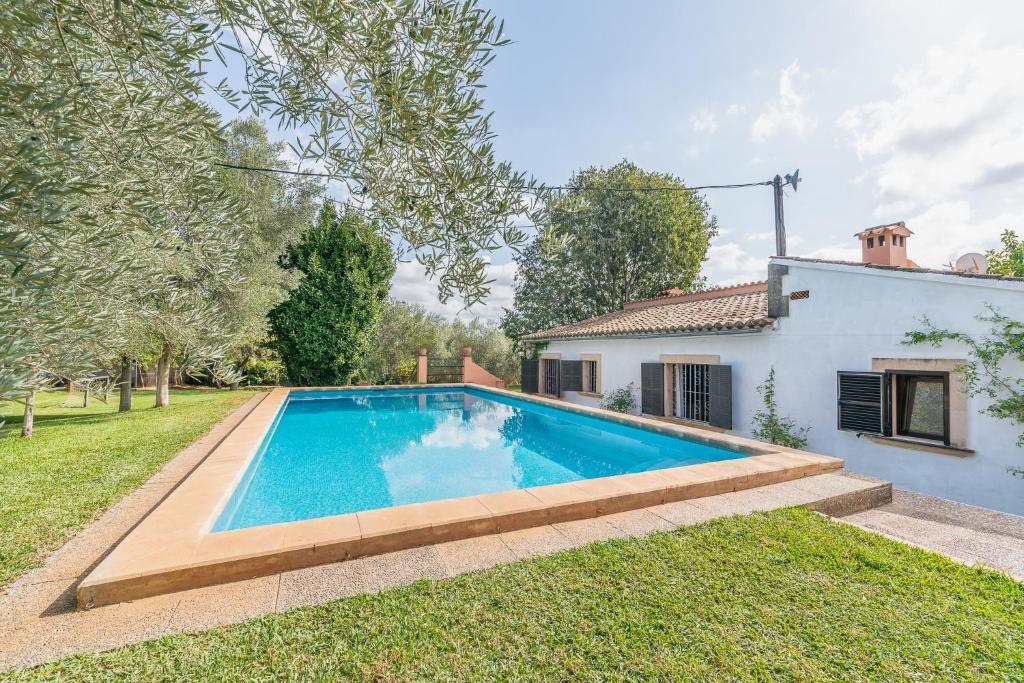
(30,414)
(85,396)
(125,403)
(163,377)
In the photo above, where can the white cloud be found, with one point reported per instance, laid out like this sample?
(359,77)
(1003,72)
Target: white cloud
(412,285)
(735,109)
(787,114)
(956,123)
(704,121)
(482,430)
(729,263)
(836,253)
(947,230)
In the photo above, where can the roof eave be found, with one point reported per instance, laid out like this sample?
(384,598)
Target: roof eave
(704,332)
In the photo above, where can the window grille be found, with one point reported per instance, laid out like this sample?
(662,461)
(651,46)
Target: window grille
(692,399)
(551,376)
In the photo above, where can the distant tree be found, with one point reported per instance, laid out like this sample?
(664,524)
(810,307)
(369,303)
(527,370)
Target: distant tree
(405,328)
(398,335)
(492,349)
(279,208)
(321,330)
(1009,260)
(614,247)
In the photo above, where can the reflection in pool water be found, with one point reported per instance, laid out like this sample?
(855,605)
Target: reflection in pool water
(338,452)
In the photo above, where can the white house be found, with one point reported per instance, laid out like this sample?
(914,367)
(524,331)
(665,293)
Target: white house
(834,332)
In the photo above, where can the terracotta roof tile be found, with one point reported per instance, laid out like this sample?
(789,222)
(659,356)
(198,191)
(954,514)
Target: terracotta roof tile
(747,310)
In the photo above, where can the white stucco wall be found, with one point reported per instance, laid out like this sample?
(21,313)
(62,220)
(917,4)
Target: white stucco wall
(853,315)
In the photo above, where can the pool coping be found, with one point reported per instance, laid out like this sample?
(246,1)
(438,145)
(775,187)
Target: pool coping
(173,549)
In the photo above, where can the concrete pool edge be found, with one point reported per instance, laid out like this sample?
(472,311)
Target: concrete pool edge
(173,549)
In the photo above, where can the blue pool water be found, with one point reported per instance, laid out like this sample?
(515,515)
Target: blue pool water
(331,453)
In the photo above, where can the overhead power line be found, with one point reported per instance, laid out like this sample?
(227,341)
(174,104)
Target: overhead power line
(777,183)
(242,167)
(562,188)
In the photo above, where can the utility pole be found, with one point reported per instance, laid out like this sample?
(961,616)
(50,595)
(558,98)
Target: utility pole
(778,182)
(780,221)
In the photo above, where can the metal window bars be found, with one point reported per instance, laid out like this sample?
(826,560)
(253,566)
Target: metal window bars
(692,394)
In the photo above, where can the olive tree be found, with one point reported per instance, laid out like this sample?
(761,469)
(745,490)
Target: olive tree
(106,143)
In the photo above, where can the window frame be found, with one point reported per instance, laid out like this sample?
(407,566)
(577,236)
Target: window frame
(900,415)
(594,358)
(590,377)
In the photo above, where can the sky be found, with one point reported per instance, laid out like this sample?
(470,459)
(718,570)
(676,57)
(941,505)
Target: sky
(908,111)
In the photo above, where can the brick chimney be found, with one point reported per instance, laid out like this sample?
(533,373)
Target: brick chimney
(886,245)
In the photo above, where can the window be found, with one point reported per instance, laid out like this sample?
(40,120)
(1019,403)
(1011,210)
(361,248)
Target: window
(550,376)
(903,403)
(881,240)
(590,376)
(922,406)
(691,394)
(697,388)
(871,243)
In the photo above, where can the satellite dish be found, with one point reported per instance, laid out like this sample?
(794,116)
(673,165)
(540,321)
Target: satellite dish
(793,178)
(972,262)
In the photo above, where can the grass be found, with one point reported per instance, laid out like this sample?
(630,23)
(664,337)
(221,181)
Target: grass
(786,595)
(81,460)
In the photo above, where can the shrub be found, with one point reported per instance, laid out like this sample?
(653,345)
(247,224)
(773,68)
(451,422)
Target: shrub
(263,371)
(621,400)
(774,428)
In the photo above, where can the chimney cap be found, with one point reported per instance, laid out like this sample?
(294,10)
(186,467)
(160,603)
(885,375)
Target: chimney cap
(899,228)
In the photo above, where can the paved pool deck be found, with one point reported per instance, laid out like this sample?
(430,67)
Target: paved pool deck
(39,622)
(964,533)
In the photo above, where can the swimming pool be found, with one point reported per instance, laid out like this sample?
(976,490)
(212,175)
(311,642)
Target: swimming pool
(268,497)
(337,452)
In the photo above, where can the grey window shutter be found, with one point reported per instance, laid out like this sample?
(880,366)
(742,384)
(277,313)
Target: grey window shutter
(863,402)
(572,375)
(652,388)
(720,396)
(529,375)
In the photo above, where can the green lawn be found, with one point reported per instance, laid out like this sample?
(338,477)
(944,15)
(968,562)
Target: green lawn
(81,460)
(786,595)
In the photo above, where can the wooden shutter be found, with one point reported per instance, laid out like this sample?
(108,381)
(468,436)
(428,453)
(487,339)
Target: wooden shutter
(529,375)
(652,388)
(863,402)
(720,396)
(572,375)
